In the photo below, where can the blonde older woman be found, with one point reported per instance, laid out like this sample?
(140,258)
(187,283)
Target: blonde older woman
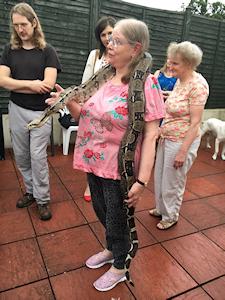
(180,132)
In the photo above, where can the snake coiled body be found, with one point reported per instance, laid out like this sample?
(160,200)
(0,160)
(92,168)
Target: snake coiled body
(136,110)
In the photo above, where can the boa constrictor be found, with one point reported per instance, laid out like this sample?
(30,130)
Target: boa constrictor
(136,110)
(79,94)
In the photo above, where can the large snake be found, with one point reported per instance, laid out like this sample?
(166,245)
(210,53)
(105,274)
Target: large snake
(136,110)
(79,94)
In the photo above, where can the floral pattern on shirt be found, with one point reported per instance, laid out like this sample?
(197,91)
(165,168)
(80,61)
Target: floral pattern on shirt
(155,83)
(85,138)
(105,116)
(121,98)
(84,113)
(178,118)
(91,155)
(120,112)
(103,124)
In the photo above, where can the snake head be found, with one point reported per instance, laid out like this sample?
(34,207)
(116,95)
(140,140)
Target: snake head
(47,113)
(34,124)
(54,108)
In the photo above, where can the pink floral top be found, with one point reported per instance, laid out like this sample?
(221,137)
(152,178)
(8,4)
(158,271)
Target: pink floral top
(177,119)
(103,122)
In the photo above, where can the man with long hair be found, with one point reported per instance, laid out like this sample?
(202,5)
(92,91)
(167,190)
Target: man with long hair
(28,68)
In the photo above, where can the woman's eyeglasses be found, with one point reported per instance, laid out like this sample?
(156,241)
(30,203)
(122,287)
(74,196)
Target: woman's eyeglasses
(117,42)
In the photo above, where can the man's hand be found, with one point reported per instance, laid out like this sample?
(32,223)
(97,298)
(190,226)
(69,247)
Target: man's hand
(40,87)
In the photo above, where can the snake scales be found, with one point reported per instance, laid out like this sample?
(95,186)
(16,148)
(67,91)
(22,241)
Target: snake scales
(136,110)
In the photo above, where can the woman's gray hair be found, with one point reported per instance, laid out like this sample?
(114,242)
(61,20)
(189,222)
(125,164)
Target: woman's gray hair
(135,31)
(190,53)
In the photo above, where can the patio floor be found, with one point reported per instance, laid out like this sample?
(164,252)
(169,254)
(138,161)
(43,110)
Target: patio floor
(45,260)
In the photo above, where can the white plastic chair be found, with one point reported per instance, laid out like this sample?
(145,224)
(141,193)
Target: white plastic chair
(66,133)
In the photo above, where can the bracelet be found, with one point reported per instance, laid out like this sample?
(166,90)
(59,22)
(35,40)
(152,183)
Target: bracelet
(141,182)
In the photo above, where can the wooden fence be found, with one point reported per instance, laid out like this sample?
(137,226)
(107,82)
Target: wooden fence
(69,27)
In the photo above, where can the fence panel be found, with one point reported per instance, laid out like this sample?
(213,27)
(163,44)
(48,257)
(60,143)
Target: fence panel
(69,26)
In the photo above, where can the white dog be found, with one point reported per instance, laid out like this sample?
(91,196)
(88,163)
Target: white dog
(217,128)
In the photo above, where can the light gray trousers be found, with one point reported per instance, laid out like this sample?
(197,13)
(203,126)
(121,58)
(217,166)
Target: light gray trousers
(169,183)
(30,150)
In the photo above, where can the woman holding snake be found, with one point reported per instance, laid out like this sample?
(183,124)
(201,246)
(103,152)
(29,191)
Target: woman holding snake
(97,59)
(103,124)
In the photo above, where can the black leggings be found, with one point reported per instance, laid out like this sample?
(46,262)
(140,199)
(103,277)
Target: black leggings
(107,201)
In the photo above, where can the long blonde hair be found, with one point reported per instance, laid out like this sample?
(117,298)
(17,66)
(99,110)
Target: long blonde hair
(135,31)
(27,11)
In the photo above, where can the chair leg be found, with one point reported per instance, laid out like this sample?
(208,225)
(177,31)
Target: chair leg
(66,141)
(52,140)
(2,148)
(66,138)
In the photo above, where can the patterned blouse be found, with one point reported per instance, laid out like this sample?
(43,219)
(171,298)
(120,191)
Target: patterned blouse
(178,119)
(103,122)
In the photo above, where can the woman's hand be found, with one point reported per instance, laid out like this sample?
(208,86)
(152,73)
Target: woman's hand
(179,159)
(134,194)
(54,95)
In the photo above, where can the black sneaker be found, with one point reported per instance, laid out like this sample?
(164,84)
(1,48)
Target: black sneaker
(44,212)
(25,201)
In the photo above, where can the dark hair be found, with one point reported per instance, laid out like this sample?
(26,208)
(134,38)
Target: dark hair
(102,23)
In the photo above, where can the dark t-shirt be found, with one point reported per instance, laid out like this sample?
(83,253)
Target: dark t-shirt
(29,65)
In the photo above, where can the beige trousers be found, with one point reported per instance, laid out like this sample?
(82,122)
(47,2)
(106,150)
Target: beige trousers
(169,182)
